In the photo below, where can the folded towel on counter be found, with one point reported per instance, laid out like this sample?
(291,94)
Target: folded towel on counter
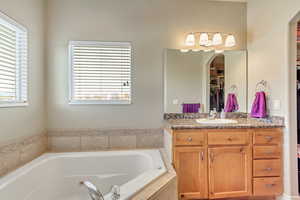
(231,103)
(259,106)
(191,108)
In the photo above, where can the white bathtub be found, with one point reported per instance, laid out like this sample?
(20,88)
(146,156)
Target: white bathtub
(56,176)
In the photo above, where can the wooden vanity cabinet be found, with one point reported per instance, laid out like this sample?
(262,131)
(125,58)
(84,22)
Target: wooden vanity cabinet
(229,172)
(227,163)
(191,164)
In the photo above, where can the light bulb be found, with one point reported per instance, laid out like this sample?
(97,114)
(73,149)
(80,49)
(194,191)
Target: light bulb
(190,40)
(217,39)
(196,50)
(230,41)
(203,39)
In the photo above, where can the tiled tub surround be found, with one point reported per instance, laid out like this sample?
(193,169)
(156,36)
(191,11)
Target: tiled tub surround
(18,152)
(61,140)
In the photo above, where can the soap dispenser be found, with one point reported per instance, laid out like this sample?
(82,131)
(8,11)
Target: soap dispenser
(223,114)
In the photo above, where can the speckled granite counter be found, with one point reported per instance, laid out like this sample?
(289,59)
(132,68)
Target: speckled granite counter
(273,122)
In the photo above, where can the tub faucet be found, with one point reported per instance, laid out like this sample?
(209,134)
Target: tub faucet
(94,193)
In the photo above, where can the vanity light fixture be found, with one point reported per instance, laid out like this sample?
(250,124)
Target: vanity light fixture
(190,40)
(217,39)
(203,39)
(208,40)
(230,41)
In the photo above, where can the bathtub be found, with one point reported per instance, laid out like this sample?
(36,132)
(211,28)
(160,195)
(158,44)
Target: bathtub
(56,176)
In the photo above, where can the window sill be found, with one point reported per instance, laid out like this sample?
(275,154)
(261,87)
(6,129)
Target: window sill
(8,105)
(99,102)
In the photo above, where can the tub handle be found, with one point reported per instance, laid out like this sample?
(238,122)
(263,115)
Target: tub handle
(115,192)
(269,138)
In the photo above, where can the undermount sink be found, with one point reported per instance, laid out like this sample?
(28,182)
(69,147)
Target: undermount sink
(216,121)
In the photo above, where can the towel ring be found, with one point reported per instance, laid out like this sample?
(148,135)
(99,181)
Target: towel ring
(233,89)
(261,86)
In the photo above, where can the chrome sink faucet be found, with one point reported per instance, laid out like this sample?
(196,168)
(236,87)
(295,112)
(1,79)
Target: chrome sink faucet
(94,193)
(213,114)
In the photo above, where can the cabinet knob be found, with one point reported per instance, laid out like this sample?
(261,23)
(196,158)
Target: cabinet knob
(270,185)
(269,152)
(189,139)
(202,155)
(268,169)
(229,139)
(212,157)
(269,138)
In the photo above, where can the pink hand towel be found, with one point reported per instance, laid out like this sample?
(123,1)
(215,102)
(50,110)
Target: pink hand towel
(231,104)
(191,108)
(259,106)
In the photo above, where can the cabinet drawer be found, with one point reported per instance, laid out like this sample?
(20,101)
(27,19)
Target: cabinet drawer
(232,137)
(263,168)
(187,138)
(266,152)
(267,186)
(267,137)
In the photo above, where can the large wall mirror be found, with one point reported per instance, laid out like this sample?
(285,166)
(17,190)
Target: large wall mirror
(205,80)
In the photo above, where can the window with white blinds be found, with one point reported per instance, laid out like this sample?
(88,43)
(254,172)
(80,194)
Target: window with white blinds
(13,63)
(100,72)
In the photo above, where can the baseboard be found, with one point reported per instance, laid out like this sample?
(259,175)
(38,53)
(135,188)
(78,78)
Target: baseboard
(288,197)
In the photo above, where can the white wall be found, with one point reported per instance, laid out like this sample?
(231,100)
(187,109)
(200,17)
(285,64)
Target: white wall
(25,121)
(268,48)
(151,26)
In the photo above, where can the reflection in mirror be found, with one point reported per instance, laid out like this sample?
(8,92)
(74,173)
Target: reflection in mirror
(203,81)
(216,75)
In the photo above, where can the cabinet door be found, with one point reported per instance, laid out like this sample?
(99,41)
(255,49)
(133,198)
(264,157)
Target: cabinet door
(191,168)
(230,172)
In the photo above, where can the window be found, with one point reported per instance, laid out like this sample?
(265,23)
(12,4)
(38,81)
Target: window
(13,63)
(100,72)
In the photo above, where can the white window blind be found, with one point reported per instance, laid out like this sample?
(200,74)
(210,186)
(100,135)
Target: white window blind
(100,72)
(13,63)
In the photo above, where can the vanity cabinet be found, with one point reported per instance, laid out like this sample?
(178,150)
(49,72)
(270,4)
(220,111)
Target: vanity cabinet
(227,163)
(191,163)
(229,172)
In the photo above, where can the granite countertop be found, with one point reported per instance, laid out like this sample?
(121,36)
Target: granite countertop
(272,122)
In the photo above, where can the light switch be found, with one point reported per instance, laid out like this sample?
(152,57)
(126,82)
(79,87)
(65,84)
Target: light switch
(175,101)
(276,105)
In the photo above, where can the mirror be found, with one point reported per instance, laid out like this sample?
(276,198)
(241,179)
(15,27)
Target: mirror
(204,81)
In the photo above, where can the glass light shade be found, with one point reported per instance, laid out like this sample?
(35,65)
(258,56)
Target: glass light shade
(190,40)
(209,43)
(217,39)
(230,41)
(203,39)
